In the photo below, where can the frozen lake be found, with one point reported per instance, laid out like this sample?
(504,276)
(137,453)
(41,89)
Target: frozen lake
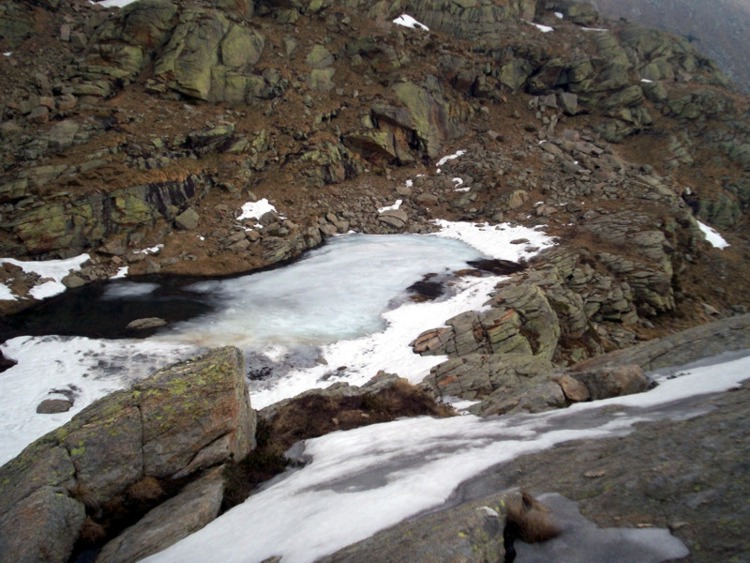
(342,313)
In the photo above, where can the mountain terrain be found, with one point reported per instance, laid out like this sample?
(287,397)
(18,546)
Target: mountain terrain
(717,29)
(150,126)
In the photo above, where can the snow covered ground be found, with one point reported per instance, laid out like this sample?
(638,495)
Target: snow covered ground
(361,481)
(52,273)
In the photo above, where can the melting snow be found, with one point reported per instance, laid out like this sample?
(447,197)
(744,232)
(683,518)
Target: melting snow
(542,28)
(713,236)
(406,20)
(53,271)
(115,3)
(393,207)
(256,210)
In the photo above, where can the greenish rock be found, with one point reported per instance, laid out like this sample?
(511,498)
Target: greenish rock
(471,532)
(146,23)
(514,74)
(193,507)
(630,96)
(241,47)
(321,80)
(108,429)
(430,116)
(319,57)
(188,220)
(376,143)
(243,8)
(722,211)
(655,91)
(182,420)
(192,53)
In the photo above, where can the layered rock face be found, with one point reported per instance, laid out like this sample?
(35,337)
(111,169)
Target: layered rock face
(171,428)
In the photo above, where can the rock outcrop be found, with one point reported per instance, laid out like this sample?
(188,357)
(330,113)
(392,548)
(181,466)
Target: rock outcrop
(166,430)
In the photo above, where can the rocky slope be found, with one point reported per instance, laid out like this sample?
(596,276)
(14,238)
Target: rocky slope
(717,29)
(152,125)
(118,133)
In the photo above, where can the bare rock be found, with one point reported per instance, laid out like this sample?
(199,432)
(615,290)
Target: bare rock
(574,390)
(43,528)
(146,323)
(187,220)
(189,511)
(52,406)
(604,383)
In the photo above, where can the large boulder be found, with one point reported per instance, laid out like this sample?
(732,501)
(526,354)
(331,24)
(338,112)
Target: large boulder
(173,425)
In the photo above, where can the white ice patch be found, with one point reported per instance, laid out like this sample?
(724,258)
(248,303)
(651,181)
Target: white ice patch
(121,273)
(409,183)
(453,156)
(712,236)
(646,81)
(115,3)
(94,367)
(151,250)
(594,29)
(457,181)
(127,290)
(6,294)
(406,20)
(559,15)
(338,291)
(51,273)
(7,53)
(256,210)
(393,207)
(542,28)
(364,480)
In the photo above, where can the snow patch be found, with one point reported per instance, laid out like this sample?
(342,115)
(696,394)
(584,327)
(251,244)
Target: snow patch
(712,236)
(559,15)
(256,210)
(6,294)
(406,20)
(393,207)
(542,28)
(51,273)
(115,3)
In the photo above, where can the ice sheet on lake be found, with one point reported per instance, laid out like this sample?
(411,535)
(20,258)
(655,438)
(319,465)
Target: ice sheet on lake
(347,296)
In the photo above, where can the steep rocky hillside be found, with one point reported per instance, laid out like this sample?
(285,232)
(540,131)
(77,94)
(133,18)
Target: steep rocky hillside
(124,129)
(718,29)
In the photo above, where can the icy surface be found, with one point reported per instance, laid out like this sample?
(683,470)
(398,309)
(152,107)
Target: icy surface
(406,20)
(712,236)
(364,480)
(6,294)
(583,542)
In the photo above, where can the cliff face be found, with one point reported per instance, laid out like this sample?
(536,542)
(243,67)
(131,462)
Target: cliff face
(717,29)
